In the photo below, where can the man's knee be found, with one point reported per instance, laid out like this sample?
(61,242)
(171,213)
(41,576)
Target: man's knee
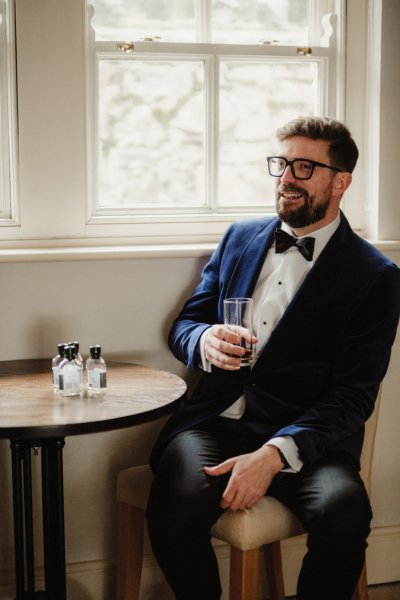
(344,518)
(335,501)
(182,492)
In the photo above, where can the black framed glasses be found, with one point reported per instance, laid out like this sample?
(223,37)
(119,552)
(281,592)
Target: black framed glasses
(302,168)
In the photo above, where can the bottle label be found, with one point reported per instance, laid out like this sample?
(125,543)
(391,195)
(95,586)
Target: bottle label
(70,380)
(97,379)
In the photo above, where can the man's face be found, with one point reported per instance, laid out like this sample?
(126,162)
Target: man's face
(303,203)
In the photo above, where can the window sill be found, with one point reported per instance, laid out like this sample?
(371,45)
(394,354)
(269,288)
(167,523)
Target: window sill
(79,253)
(105,252)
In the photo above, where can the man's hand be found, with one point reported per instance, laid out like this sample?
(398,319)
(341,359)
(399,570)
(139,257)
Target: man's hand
(251,476)
(222,346)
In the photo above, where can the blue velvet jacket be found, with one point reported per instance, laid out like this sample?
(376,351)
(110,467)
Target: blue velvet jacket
(318,375)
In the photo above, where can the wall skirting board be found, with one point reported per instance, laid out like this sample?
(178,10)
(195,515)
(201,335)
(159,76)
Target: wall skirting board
(95,580)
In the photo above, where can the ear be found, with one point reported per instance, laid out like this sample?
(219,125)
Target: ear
(342,182)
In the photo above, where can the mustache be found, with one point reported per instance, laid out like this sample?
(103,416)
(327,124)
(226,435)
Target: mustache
(286,188)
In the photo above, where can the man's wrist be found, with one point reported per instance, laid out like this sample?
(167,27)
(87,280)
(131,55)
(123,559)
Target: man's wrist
(204,364)
(285,464)
(290,451)
(283,459)
(273,454)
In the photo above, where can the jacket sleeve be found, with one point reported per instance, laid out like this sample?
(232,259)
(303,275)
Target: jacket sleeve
(360,366)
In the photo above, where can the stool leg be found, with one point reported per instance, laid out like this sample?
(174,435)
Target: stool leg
(361,591)
(273,568)
(130,551)
(244,574)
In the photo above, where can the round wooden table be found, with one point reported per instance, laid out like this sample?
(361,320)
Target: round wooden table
(34,416)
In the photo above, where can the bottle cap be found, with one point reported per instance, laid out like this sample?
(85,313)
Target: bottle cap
(70,352)
(61,348)
(95,351)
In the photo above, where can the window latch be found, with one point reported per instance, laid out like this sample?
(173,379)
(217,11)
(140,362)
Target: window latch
(305,51)
(125,46)
(268,42)
(150,38)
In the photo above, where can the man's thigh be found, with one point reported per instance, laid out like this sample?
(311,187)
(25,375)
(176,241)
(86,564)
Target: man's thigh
(181,484)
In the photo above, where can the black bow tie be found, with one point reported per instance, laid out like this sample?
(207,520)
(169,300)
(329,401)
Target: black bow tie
(284,241)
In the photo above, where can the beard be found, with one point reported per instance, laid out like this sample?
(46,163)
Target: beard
(308,213)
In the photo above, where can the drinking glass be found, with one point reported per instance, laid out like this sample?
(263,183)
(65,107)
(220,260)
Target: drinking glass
(238,312)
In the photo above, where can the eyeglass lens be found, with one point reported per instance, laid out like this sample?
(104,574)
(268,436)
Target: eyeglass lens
(301,169)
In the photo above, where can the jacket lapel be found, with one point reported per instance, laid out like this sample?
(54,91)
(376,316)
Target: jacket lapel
(244,276)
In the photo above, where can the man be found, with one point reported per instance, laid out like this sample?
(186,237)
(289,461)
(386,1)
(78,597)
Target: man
(326,313)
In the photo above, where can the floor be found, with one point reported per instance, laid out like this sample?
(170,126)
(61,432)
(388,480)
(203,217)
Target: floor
(387,591)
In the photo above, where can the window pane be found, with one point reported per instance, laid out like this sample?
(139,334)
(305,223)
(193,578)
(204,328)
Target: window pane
(151,124)
(256,99)
(172,20)
(249,21)
(241,21)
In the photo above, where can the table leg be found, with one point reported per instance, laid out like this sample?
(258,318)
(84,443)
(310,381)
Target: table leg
(17,456)
(29,542)
(53,518)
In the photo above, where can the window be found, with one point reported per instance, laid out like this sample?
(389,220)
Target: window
(185,98)
(7,115)
(52,181)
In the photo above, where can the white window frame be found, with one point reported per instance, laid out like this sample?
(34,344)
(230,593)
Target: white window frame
(326,53)
(9,214)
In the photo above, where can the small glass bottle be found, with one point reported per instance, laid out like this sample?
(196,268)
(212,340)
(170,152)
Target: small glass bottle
(55,365)
(70,373)
(78,357)
(96,376)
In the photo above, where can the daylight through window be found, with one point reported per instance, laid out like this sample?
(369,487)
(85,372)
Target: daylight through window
(185,98)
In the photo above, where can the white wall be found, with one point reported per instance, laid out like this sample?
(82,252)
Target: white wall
(126,305)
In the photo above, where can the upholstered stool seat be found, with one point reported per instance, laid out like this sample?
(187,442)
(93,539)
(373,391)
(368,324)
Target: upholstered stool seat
(266,522)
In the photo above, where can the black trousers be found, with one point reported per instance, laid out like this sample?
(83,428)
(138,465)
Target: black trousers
(329,498)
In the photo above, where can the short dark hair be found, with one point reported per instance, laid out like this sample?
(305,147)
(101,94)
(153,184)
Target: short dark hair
(343,150)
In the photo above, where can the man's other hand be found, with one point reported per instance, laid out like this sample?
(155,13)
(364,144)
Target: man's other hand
(251,476)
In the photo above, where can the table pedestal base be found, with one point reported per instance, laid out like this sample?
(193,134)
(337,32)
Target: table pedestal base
(53,519)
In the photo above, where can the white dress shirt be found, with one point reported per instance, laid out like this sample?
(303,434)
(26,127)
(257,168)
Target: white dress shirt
(279,279)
